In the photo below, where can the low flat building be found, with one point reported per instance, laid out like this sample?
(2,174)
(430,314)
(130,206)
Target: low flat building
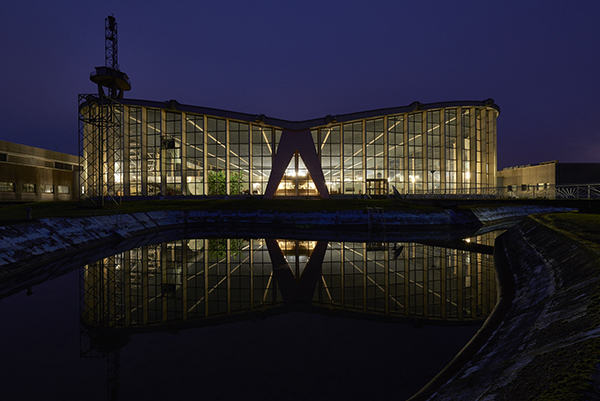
(30,174)
(551,174)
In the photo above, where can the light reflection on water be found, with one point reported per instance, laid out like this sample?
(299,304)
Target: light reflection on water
(188,283)
(238,318)
(201,279)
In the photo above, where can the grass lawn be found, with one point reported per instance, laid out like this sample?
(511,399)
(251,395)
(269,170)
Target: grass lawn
(582,227)
(565,373)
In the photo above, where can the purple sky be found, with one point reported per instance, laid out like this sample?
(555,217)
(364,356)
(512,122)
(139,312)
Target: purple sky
(298,60)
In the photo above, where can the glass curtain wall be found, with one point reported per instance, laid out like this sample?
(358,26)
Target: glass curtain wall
(216,147)
(490,165)
(353,158)
(434,155)
(135,151)
(466,148)
(375,141)
(171,146)
(415,152)
(153,150)
(194,162)
(296,180)
(239,158)
(171,153)
(331,158)
(396,152)
(480,140)
(114,157)
(104,141)
(263,150)
(450,150)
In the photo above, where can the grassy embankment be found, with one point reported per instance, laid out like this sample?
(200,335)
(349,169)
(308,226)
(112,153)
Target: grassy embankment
(566,373)
(40,210)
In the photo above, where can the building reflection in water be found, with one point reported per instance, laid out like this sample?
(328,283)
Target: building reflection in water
(193,282)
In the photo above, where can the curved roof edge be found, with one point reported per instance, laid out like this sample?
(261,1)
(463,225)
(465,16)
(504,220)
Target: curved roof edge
(305,124)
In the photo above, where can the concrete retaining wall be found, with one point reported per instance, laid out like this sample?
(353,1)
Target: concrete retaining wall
(33,242)
(548,283)
(543,309)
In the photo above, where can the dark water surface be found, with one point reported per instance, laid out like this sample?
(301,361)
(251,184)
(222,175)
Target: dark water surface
(288,356)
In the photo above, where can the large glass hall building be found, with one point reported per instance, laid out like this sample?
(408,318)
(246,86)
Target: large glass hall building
(147,148)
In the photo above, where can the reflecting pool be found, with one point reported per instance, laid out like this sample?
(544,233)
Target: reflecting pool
(225,318)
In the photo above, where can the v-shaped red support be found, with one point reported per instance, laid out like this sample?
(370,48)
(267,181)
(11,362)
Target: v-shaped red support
(302,142)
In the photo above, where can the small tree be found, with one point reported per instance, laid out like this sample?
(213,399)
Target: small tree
(235,182)
(217,182)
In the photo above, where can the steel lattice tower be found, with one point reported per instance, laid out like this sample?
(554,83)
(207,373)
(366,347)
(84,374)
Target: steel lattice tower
(111,54)
(101,127)
(101,149)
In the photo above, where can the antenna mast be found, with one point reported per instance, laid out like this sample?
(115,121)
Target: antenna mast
(111,43)
(109,76)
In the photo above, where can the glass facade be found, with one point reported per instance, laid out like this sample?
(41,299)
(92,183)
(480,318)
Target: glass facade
(442,150)
(331,158)
(153,171)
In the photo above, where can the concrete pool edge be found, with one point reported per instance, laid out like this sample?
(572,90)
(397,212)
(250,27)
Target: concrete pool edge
(34,242)
(103,231)
(551,279)
(506,295)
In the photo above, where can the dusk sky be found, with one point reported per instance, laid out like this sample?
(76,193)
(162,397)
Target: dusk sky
(297,60)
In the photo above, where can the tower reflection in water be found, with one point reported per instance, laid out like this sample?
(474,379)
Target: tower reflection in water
(194,282)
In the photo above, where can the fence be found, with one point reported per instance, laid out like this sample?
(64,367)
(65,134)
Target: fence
(546,191)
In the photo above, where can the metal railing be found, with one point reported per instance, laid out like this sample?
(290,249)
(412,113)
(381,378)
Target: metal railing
(549,191)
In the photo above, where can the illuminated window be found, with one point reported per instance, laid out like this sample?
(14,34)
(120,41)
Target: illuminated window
(296,180)
(153,149)
(451,146)
(216,149)
(262,158)
(353,157)
(171,144)
(28,188)
(63,189)
(239,158)
(396,145)
(7,187)
(433,149)
(330,151)
(195,154)
(135,151)
(466,147)
(415,152)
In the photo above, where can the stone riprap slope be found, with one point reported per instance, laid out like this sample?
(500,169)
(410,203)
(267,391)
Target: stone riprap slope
(547,344)
(36,241)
